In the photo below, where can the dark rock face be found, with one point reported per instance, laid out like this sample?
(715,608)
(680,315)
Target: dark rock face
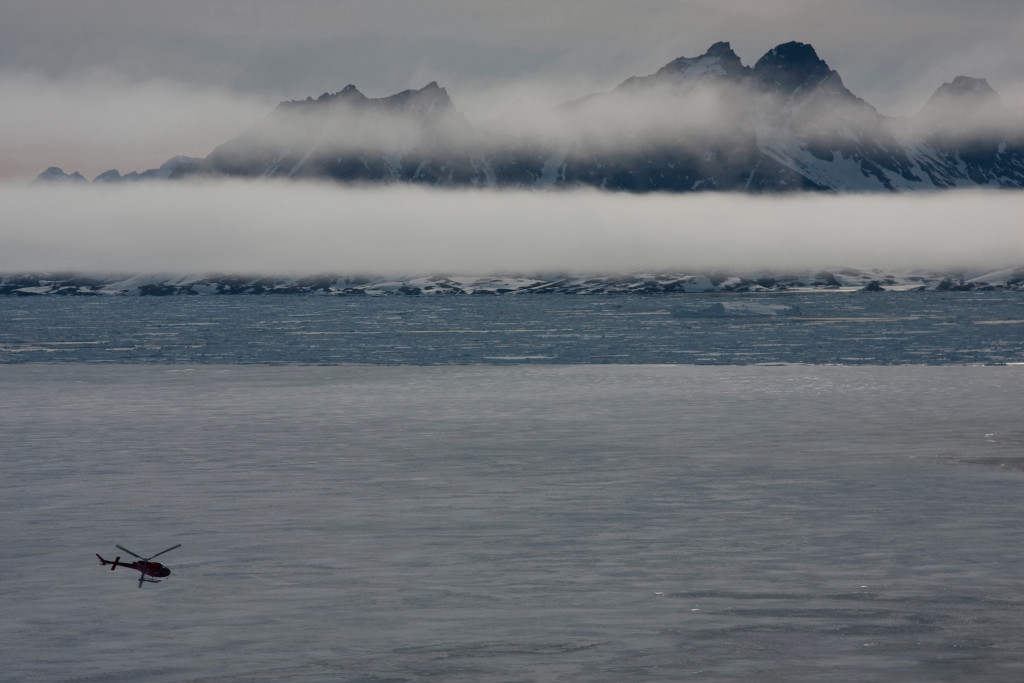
(793,67)
(699,123)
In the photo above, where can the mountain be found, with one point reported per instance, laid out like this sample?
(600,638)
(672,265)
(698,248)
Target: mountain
(166,170)
(699,123)
(413,136)
(55,174)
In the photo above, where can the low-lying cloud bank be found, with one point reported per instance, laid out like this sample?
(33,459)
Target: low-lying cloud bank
(263,227)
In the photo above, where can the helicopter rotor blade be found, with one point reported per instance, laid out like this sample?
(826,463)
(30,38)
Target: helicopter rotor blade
(164,551)
(130,552)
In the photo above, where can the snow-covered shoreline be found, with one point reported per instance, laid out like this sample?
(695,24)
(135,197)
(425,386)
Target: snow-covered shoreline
(844,279)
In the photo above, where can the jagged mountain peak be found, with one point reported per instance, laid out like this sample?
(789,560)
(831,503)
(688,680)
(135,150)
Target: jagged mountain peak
(968,106)
(111,176)
(431,98)
(965,90)
(722,48)
(794,66)
(793,56)
(787,69)
(349,94)
(55,174)
(719,61)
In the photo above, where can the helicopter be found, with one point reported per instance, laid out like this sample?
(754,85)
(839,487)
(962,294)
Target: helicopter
(143,565)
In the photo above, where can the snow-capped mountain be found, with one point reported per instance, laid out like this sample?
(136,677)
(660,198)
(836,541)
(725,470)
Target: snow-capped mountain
(702,123)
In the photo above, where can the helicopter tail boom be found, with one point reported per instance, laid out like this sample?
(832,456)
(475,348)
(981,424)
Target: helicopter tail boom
(113,565)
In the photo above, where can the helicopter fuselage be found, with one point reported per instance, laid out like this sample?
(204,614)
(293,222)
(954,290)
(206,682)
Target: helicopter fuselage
(148,568)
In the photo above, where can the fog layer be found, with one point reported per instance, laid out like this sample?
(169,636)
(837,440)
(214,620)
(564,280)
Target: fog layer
(99,121)
(298,228)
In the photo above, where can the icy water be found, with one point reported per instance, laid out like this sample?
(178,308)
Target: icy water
(540,519)
(843,328)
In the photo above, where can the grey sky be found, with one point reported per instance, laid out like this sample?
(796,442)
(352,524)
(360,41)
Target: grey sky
(128,83)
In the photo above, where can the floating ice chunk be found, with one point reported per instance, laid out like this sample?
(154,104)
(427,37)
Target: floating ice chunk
(735,309)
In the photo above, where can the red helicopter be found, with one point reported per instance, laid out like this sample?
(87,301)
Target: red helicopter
(143,566)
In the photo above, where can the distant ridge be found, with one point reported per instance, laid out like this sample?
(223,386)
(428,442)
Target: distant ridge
(868,280)
(788,123)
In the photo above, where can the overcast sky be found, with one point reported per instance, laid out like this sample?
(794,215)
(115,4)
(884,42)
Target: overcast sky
(98,84)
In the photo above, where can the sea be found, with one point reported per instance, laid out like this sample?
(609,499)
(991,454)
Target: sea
(821,486)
